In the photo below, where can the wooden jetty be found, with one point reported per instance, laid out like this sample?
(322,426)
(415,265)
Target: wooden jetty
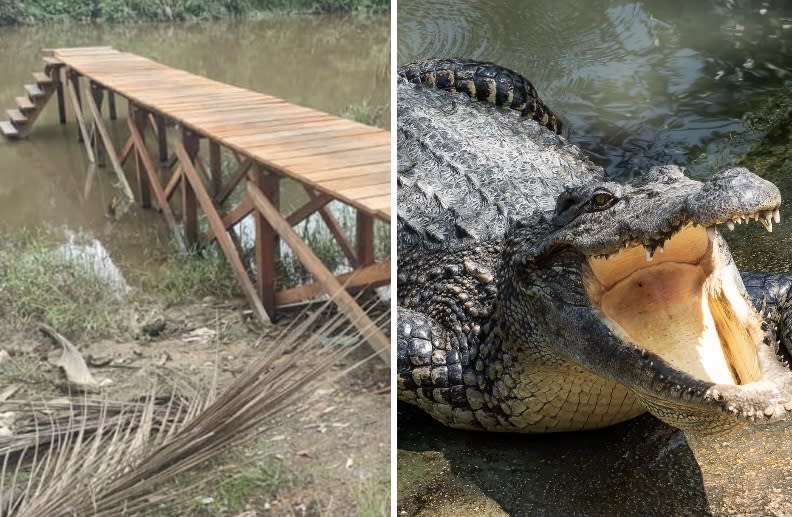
(330,157)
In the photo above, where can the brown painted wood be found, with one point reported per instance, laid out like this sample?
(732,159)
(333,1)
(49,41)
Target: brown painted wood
(223,239)
(189,209)
(162,138)
(308,208)
(335,229)
(174,181)
(215,168)
(143,186)
(374,275)
(266,242)
(25,105)
(236,177)
(17,117)
(97,94)
(148,166)
(108,145)
(364,229)
(325,278)
(75,101)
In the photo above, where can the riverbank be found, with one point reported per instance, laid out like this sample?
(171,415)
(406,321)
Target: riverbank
(42,12)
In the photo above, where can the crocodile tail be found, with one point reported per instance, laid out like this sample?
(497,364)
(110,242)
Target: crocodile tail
(486,82)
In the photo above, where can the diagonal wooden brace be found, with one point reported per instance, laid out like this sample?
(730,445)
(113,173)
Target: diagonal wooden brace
(323,276)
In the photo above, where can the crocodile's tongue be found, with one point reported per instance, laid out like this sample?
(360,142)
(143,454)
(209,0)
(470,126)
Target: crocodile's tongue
(683,306)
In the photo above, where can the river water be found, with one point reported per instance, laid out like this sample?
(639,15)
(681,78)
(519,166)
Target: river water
(704,85)
(323,62)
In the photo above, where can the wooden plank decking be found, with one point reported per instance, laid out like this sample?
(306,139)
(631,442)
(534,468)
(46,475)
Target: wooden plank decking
(331,157)
(347,160)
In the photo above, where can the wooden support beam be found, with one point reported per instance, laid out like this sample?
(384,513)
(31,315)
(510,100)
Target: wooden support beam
(148,166)
(335,228)
(373,275)
(215,167)
(74,96)
(59,93)
(128,147)
(325,278)
(189,209)
(236,177)
(364,229)
(308,208)
(74,80)
(266,242)
(143,183)
(173,182)
(108,144)
(162,138)
(223,239)
(111,105)
(97,94)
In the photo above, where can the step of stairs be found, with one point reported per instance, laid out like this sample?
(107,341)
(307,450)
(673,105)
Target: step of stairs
(25,105)
(17,117)
(42,79)
(34,91)
(8,129)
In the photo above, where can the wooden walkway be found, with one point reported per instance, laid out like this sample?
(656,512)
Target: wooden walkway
(270,139)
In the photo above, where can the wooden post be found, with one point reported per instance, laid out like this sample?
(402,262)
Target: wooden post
(111,104)
(215,167)
(223,238)
(61,99)
(365,239)
(97,94)
(162,139)
(266,249)
(323,276)
(74,95)
(188,205)
(143,183)
(75,80)
(108,145)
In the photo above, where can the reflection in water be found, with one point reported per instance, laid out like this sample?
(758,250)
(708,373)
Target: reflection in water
(93,256)
(324,62)
(704,85)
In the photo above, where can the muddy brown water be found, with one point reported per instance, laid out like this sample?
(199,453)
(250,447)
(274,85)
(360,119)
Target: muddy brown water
(699,84)
(323,62)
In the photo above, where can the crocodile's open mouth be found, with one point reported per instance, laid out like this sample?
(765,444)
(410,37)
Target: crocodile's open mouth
(685,304)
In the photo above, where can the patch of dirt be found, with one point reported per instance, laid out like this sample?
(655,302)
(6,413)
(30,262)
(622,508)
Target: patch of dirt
(332,449)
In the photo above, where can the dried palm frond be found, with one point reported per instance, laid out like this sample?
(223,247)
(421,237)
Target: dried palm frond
(98,457)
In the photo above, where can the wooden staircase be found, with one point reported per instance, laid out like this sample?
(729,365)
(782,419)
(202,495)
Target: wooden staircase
(21,118)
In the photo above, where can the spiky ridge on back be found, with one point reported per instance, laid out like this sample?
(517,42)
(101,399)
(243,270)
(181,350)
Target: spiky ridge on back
(486,82)
(466,170)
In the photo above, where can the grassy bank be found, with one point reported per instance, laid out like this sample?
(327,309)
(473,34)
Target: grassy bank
(37,12)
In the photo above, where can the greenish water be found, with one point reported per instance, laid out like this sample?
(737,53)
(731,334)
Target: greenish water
(704,85)
(325,62)
(698,84)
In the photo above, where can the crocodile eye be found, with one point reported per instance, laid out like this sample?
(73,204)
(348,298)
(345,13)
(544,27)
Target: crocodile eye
(602,201)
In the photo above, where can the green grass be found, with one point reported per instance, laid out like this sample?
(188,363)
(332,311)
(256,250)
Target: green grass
(373,496)
(194,275)
(366,113)
(39,284)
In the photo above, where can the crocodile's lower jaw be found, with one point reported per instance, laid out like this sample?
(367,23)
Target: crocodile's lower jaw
(686,306)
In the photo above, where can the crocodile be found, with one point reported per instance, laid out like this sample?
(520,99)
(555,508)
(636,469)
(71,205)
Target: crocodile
(536,294)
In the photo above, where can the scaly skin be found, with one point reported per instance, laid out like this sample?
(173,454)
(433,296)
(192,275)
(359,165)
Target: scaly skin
(496,330)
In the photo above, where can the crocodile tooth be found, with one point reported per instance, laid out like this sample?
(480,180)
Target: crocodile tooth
(649,253)
(767,223)
(661,248)
(738,220)
(777,215)
(730,225)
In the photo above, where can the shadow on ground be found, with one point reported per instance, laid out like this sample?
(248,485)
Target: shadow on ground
(640,467)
